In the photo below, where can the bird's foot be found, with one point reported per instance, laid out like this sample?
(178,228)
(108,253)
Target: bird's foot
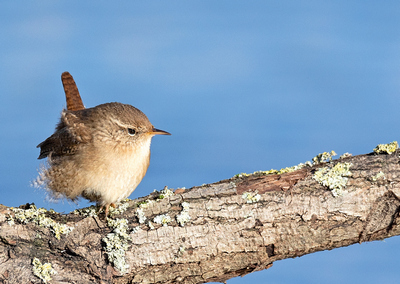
(106,208)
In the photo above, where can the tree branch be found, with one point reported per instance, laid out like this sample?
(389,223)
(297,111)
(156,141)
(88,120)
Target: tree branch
(231,231)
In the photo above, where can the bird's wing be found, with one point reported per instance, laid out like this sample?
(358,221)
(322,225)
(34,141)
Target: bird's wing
(70,132)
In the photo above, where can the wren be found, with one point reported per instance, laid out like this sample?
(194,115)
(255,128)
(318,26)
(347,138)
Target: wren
(100,153)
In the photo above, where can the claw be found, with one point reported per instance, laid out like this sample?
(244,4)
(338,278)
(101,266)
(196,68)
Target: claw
(106,207)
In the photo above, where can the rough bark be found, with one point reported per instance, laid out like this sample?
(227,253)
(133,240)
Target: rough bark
(225,237)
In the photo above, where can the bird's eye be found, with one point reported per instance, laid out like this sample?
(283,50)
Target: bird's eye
(131,131)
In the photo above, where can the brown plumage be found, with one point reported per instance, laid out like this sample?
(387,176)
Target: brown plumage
(100,153)
(74,101)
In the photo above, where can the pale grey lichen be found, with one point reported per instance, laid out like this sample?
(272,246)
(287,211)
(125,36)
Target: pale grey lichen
(93,210)
(345,155)
(251,197)
(320,158)
(151,226)
(146,203)
(10,220)
(140,215)
(117,243)
(120,208)
(185,206)
(162,219)
(38,217)
(324,157)
(183,217)
(334,178)
(386,148)
(87,212)
(43,271)
(181,250)
(135,230)
(166,192)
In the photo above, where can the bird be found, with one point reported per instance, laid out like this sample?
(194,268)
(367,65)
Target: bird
(100,153)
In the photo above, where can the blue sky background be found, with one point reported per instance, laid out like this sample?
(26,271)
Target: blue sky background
(241,85)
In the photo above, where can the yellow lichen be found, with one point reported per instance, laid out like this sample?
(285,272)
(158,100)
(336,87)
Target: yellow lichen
(43,271)
(320,158)
(386,148)
(251,197)
(323,157)
(276,172)
(334,178)
(380,175)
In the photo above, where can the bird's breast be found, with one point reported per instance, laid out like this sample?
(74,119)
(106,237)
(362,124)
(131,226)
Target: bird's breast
(115,171)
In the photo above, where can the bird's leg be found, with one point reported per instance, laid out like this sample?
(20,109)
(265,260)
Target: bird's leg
(108,206)
(106,211)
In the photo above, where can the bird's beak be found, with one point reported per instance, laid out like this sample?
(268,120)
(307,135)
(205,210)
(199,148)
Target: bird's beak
(156,131)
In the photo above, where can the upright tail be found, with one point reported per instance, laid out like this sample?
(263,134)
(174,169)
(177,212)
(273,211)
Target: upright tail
(74,101)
